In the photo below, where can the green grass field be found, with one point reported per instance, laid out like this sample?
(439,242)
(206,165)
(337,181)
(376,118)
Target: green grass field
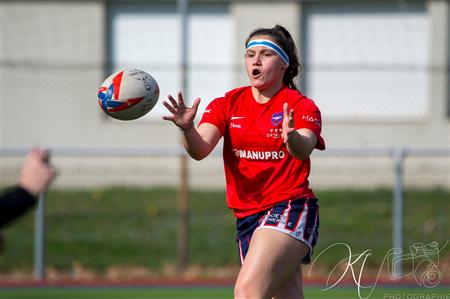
(98,229)
(214,293)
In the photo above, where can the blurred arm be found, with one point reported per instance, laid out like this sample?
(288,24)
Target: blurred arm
(15,203)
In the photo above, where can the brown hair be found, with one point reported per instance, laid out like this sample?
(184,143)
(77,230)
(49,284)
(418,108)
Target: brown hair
(282,38)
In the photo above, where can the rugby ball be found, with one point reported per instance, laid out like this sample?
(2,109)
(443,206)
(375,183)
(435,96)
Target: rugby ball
(128,94)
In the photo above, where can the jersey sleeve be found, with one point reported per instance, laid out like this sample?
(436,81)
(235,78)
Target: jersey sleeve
(14,203)
(215,114)
(308,116)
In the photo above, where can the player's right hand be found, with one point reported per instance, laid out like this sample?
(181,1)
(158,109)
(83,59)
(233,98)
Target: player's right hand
(182,116)
(36,174)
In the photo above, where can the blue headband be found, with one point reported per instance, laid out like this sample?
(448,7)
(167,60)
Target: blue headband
(271,45)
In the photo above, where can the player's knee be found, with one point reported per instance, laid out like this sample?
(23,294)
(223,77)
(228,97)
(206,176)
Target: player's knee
(290,290)
(247,290)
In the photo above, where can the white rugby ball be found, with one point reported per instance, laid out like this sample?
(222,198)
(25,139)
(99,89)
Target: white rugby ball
(128,94)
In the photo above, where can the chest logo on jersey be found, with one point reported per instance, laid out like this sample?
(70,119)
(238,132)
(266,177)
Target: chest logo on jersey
(238,119)
(277,118)
(274,133)
(259,155)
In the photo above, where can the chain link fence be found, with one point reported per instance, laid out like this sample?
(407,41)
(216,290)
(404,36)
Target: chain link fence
(53,63)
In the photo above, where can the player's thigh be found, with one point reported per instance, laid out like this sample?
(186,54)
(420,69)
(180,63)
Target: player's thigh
(273,257)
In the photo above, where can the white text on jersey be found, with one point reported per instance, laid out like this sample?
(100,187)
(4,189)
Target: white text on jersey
(259,155)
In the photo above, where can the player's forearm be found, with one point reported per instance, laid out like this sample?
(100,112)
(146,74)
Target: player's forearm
(195,145)
(299,146)
(14,203)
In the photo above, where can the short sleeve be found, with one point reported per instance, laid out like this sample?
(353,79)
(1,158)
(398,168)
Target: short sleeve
(215,114)
(308,116)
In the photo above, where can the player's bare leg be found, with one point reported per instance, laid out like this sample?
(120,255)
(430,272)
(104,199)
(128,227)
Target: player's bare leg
(293,288)
(270,267)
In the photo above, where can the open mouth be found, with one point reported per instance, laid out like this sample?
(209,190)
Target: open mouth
(256,73)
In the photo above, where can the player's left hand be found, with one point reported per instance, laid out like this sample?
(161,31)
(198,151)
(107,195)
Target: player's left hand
(182,116)
(288,123)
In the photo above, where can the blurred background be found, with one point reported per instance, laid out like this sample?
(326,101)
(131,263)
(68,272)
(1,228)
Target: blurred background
(127,201)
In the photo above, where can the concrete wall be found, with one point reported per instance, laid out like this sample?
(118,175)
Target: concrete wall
(249,16)
(50,76)
(440,60)
(428,131)
(53,64)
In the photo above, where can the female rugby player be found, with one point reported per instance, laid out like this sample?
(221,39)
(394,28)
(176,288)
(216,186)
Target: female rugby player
(269,130)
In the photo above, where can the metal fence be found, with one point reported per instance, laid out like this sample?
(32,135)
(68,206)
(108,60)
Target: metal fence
(397,156)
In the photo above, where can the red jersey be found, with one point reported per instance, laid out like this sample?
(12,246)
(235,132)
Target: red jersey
(259,170)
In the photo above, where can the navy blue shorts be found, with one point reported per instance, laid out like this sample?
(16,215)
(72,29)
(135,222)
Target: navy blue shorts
(298,218)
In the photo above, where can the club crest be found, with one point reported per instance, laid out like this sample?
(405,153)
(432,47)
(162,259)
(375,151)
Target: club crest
(277,118)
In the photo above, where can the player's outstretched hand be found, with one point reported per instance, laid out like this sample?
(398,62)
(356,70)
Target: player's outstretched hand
(288,122)
(36,174)
(182,116)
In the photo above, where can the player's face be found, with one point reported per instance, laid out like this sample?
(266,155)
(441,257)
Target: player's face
(264,67)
